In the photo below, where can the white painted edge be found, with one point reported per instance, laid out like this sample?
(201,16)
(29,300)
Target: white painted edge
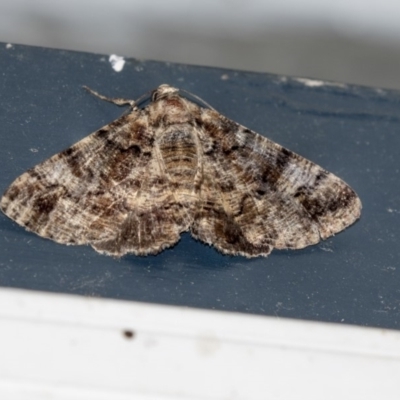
(70,347)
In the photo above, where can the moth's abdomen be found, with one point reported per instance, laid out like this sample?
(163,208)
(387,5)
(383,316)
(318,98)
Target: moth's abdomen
(178,152)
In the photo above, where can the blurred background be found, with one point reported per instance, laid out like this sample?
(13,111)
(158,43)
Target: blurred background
(353,41)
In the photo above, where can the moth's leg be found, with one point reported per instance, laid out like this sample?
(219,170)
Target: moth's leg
(117,101)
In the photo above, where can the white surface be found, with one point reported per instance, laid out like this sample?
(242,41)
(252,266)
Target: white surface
(66,347)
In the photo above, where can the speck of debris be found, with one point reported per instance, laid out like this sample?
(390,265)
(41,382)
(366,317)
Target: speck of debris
(128,334)
(117,62)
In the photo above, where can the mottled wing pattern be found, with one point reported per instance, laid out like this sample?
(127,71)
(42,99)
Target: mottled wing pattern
(107,190)
(136,184)
(257,195)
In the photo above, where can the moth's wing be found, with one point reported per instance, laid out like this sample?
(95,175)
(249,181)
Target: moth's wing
(106,190)
(257,195)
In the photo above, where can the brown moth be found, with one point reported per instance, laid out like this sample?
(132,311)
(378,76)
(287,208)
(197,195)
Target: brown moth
(136,184)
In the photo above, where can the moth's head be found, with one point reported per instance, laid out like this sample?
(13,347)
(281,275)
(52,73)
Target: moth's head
(163,91)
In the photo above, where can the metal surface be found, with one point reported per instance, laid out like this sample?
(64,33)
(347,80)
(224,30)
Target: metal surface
(349,130)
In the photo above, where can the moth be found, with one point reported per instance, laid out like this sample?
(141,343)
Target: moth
(173,166)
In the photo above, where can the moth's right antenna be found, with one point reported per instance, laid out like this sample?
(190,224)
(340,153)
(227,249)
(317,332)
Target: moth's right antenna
(199,99)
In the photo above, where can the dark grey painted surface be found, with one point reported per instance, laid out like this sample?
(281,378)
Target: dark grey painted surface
(351,131)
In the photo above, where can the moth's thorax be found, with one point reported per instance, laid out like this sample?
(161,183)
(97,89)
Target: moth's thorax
(173,109)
